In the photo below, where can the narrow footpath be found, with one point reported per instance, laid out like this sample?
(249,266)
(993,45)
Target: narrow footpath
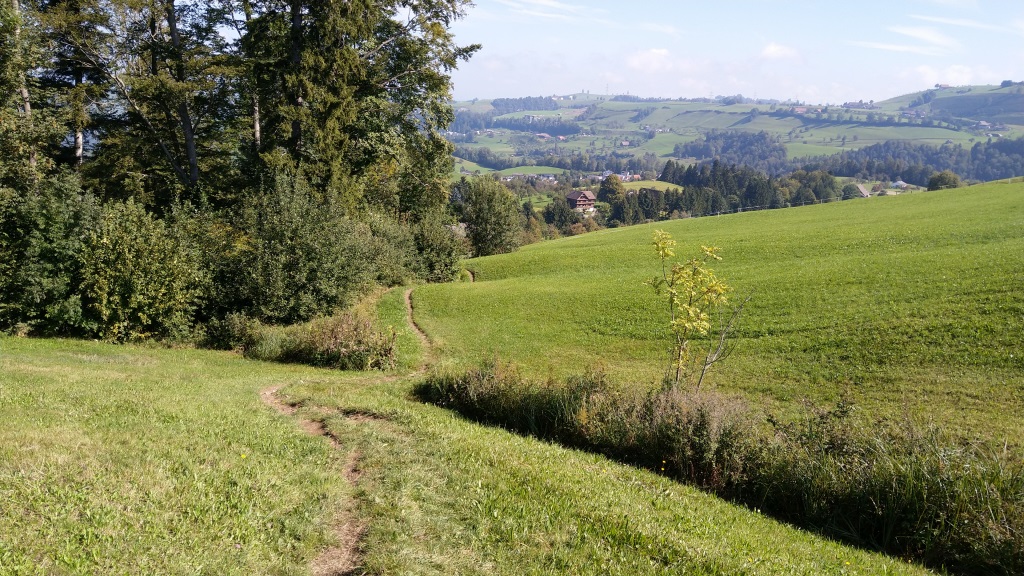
(343,559)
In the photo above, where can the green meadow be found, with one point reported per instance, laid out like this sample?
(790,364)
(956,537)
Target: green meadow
(121,459)
(905,305)
(118,459)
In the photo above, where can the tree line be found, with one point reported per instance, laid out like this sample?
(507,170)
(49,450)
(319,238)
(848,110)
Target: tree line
(551,156)
(760,150)
(512,105)
(892,160)
(164,164)
(916,163)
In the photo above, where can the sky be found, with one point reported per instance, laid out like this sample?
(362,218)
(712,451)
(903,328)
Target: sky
(823,52)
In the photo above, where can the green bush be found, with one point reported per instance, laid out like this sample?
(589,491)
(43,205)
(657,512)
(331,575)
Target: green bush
(392,250)
(439,248)
(42,235)
(138,281)
(915,494)
(297,255)
(491,214)
(701,437)
(918,494)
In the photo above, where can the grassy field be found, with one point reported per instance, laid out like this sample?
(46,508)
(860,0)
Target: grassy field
(117,459)
(656,184)
(906,305)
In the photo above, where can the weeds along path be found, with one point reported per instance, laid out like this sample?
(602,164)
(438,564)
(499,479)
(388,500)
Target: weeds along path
(343,558)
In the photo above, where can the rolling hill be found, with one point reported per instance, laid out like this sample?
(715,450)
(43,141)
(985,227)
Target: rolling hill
(907,304)
(633,127)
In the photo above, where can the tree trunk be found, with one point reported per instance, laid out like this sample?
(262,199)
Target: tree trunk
(296,62)
(257,131)
(257,136)
(184,117)
(26,102)
(79,121)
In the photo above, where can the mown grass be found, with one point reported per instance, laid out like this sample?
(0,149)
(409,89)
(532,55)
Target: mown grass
(906,305)
(117,460)
(441,495)
(132,460)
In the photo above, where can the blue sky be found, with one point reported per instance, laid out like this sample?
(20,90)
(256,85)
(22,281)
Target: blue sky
(818,52)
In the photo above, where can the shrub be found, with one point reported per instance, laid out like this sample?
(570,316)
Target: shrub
(42,235)
(943,180)
(233,332)
(439,247)
(491,214)
(916,494)
(392,250)
(138,280)
(297,257)
(699,436)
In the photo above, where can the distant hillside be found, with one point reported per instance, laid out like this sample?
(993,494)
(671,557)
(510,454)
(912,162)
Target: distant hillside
(992,104)
(591,133)
(594,132)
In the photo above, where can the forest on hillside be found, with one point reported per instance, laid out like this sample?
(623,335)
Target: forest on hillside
(915,163)
(165,165)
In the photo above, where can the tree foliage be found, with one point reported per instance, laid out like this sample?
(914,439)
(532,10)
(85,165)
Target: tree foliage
(693,296)
(138,280)
(167,162)
(491,214)
(943,180)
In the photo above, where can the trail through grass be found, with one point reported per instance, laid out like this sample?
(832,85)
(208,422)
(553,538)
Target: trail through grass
(120,459)
(124,460)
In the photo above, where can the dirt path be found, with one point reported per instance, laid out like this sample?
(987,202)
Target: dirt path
(342,559)
(424,341)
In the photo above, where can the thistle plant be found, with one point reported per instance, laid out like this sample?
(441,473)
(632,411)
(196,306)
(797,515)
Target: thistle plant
(693,297)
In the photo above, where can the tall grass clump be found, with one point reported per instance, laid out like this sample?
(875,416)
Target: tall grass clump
(342,342)
(696,436)
(917,494)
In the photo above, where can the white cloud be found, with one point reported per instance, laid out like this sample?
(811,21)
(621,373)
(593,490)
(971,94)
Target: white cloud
(774,51)
(955,75)
(653,61)
(962,22)
(928,35)
(908,48)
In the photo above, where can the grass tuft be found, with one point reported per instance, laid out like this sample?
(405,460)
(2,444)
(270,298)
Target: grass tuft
(342,342)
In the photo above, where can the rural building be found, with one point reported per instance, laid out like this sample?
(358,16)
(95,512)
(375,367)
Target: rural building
(582,201)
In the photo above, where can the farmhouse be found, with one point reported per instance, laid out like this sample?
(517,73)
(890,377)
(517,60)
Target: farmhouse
(582,201)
